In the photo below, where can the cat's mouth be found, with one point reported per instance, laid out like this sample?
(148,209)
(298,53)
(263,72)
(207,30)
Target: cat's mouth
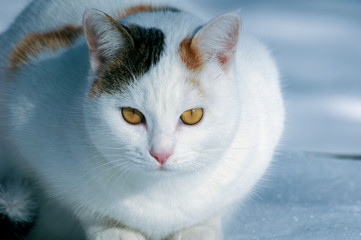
(165,169)
(170,170)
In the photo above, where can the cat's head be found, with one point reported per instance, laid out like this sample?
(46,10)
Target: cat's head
(161,100)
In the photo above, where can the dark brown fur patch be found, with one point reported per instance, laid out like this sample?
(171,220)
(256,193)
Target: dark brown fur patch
(190,54)
(145,8)
(137,56)
(34,43)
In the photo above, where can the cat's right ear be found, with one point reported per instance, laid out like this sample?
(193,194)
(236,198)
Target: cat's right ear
(105,37)
(217,40)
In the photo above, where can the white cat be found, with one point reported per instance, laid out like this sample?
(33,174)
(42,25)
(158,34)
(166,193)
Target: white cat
(143,119)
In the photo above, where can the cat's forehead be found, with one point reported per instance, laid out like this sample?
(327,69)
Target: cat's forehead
(168,87)
(156,57)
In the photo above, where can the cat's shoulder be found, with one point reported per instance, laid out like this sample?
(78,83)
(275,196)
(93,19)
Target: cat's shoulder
(253,54)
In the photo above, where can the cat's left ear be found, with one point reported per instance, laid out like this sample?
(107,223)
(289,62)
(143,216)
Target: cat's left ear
(217,40)
(105,37)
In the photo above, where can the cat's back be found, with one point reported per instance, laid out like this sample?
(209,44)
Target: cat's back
(46,15)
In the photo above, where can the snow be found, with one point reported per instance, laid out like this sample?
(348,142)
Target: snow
(306,198)
(307,193)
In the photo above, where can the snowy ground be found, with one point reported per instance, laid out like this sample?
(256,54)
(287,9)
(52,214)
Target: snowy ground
(309,193)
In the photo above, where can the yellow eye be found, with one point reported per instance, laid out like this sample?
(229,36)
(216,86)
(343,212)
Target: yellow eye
(192,116)
(132,115)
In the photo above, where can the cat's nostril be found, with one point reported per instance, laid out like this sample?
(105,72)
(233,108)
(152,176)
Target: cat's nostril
(161,157)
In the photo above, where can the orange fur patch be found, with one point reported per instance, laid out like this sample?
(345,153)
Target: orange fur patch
(190,54)
(144,8)
(34,43)
(136,9)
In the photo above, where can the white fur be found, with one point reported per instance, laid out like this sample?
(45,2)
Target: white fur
(99,166)
(17,201)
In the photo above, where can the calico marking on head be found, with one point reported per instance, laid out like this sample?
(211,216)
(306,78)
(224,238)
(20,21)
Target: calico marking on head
(119,53)
(190,54)
(35,43)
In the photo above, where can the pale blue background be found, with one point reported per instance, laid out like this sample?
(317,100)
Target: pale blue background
(317,45)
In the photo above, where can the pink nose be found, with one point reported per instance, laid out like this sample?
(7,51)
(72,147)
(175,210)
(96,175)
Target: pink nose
(161,157)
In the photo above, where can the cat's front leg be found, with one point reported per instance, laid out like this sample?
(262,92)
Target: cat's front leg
(210,230)
(117,234)
(96,230)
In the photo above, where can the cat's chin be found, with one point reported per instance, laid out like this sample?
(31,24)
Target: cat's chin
(168,170)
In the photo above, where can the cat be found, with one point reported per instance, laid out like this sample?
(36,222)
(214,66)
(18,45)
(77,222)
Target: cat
(134,119)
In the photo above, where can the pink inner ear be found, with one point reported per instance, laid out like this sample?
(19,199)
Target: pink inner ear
(96,58)
(226,57)
(96,54)
(98,29)
(223,59)
(219,39)
(92,39)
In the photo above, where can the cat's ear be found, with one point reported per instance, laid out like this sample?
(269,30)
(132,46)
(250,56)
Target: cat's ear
(218,39)
(105,37)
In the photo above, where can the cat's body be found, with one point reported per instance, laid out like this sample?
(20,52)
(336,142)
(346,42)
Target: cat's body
(63,116)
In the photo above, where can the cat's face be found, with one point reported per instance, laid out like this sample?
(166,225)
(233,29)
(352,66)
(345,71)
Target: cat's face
(161,109)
